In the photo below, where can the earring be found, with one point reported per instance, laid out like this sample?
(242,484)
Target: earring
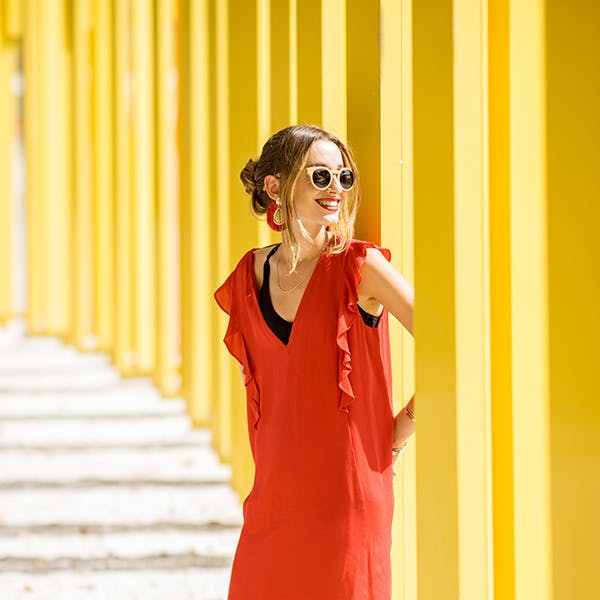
(275,218)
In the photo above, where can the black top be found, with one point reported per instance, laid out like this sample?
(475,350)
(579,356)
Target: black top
(278,325)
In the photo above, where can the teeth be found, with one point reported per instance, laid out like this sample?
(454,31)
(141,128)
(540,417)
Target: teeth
(331,204)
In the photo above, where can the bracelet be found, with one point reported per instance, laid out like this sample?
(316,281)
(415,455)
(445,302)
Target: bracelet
(400,449)
(410,413)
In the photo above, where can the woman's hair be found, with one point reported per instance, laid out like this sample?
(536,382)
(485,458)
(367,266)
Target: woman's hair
(284,155)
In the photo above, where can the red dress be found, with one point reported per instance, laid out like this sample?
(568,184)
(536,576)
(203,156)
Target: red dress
(317,523)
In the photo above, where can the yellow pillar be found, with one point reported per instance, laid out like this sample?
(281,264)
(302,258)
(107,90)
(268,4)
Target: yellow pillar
(500,301)
(436,445)
(571,66)
(243,225)
(472,319)
(309,61)
(364,120)
(83,325)
(168,313)
(123,353)
(103,174)
(8,130)
(48,154)
(529,301)
(397,234)
(143,187)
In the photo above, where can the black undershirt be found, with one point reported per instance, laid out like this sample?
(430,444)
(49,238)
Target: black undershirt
(278,325)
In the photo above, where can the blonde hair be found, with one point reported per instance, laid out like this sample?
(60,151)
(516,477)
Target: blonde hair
(284,155)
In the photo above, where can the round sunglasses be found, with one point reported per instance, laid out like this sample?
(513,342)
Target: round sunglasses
(321,177)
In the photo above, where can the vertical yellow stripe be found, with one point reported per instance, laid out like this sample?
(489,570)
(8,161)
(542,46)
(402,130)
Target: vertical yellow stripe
(363,100)
(83,258)
(529,300)
(333,70)
(500,299)
(309,61)
(168,323)
(396,234)
(472,300)
(436,445)
(572,85)
(123,83)
(143,167)
(103,174)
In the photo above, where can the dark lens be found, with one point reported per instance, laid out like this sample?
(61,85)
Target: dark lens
(346,179)
(321,178)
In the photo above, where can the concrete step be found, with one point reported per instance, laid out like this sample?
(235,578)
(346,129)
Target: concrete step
(120,401)
(187,465)
(143,584)
(30,549)
(73,433)
(134,505)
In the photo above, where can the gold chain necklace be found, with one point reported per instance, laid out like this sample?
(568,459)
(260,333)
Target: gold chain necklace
(299,283)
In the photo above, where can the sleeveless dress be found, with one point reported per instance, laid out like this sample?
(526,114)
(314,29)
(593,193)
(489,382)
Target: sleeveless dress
(317,522)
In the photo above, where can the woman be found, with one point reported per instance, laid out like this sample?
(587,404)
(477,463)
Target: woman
(308,325)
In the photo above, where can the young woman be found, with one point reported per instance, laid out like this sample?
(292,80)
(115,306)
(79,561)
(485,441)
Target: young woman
(308,323)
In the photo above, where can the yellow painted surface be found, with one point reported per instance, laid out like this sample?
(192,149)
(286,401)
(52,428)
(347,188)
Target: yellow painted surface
(143,187)
(572,124)
(8,129)
(168,260)
(529,302)
(435,329)
(363,109)
(123,349)
(82,323)
(104,192)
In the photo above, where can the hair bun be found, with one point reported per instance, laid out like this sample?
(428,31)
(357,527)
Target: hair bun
(247,176)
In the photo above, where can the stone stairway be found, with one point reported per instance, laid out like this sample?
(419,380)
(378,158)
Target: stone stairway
(106,492)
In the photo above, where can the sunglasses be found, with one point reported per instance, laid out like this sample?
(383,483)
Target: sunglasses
(321,177)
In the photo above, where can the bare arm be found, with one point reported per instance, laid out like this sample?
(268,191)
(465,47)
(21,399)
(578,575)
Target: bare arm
(383,285)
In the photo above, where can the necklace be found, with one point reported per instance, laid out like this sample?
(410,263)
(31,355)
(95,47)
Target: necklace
(300,282)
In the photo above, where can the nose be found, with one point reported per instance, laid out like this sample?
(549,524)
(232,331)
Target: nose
(335,184)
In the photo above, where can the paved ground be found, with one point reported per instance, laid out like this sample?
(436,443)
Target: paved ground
(105,490)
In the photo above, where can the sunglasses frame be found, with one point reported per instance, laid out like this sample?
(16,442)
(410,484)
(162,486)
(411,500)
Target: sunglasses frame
(332,174)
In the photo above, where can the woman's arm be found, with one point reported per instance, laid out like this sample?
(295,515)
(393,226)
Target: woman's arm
(383,285)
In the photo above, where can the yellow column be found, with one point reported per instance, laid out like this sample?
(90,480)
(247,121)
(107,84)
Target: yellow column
(168,314)
(309,61)
(529,301)
(225,384)
(123,354)
(333,70)
(397,234)
(500,302)
(83,325)
(47,142)
(103,174)
(283,63)
(471,252)
(436,445)
(571,65)
(8,130)
(243,225)
(143,191)
(364,121)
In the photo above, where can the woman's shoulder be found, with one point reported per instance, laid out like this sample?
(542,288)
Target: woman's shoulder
(362,250)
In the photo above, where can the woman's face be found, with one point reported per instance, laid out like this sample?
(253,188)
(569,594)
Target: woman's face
(319,208)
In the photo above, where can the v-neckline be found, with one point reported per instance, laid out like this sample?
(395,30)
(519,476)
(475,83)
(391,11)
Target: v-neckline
(256,292)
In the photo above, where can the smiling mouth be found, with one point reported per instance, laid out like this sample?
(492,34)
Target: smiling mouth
(330,204)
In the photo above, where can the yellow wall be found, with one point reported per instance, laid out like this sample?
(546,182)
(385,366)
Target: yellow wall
(475,127)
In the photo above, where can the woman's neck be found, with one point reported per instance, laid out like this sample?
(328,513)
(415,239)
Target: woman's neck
(308,249)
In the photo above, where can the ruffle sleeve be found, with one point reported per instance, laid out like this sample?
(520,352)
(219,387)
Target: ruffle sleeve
(348,309)
(227,297)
